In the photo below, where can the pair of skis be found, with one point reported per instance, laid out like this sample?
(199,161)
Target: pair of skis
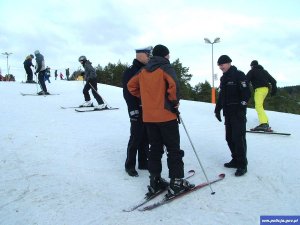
(88,109)
(166,200)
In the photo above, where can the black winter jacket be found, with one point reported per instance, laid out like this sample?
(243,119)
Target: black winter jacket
(234,92)
(259,77)
(133,103)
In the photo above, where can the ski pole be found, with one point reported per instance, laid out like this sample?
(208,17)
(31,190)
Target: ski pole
(212,192)
(98,94)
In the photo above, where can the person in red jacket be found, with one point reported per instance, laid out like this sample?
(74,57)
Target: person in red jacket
(157,86)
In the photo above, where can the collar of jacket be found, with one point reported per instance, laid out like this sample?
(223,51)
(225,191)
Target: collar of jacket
(155,62)
(137,63)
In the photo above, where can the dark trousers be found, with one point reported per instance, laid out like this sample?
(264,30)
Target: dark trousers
(41,78)
(138,143)
(88,87)
(29,74)
(235,126)
(160,135)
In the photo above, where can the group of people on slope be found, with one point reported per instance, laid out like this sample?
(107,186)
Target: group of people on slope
(151,91)
(40,71)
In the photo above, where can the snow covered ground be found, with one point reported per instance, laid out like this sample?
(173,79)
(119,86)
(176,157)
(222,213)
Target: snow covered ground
(61,167)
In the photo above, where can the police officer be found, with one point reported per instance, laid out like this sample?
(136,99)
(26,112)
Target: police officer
(138,141)
(233,98)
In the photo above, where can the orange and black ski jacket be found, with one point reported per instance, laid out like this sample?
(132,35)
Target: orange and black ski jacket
(157,86)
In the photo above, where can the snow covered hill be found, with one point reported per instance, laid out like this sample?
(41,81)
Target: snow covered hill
(61,167)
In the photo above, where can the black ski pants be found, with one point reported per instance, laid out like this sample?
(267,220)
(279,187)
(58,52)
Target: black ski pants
(160,135)
(41,78)
(235,126)
(137,144)
(29,73)
(88,86)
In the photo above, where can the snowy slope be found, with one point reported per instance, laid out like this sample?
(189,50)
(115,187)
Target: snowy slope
(66,168)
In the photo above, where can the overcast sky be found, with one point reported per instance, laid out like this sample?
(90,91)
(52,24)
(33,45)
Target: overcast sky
(109,30)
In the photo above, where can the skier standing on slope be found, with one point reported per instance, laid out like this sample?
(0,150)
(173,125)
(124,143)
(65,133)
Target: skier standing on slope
(27,66)
(41,70)
(260,80)
(157,86)
(233,98)
(138,141)
(91,83)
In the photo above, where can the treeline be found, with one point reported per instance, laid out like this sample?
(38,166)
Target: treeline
(286,100)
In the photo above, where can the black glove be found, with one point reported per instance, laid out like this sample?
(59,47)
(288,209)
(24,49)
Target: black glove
(174,106)
(274,91)
(243,104)
(218,114)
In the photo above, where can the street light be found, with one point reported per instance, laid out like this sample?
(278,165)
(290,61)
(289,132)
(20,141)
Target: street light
(7,54)
(213,90)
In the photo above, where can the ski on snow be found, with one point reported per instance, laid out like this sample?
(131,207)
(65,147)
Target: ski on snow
(268,132)
(167,200)
(24,94)
(75,107)
(147,199)
(92,109)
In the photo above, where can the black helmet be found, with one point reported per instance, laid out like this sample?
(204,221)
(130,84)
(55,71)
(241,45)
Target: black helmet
(82,58)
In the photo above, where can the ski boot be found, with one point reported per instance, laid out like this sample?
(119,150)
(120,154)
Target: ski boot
(87,104)
(262,127)
(157,184)
(178,186)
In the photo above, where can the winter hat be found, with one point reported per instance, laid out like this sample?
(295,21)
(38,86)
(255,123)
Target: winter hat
(254,63)
(160,50)
(36,52)
(224,59)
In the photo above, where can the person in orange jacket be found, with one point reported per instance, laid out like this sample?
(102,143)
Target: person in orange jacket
(157,86)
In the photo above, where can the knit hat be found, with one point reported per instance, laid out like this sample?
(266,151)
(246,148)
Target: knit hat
(36,52)
(224,59)
(254,63)
(160,50)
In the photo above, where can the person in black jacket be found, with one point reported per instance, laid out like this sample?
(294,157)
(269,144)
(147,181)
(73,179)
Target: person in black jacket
(233,98)
(260,80)
(138,141)
(27,66)
(41,70)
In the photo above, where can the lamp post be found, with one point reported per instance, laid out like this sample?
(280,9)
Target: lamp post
(7,54)
(213,90)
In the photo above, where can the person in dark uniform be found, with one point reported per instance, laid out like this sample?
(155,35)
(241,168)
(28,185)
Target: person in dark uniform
(233,98)
(138,141)
(27,66)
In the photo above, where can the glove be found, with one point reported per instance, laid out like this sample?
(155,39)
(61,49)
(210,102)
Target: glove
(274,91)
(174,107)
(218,115)
(244,104)
(134,114)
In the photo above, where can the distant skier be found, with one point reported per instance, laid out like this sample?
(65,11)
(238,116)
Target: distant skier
(47,75)
(261,80)
(233,98)
(27,66)
(91,83)
(41,70)
(55,74)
